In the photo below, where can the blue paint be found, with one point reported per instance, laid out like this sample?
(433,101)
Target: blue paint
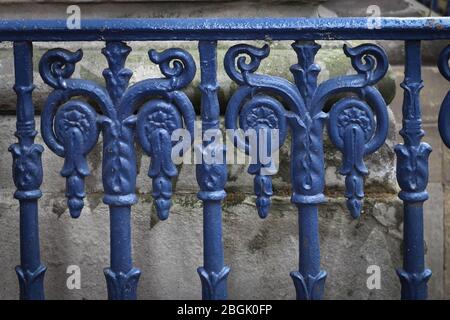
(27,175)
(309,280)
(261,114)
(412,176)
(211,178)
(444,113)
(156,121)
(121,278)
(70,127)
(77,111)
(353,130)
(430,28)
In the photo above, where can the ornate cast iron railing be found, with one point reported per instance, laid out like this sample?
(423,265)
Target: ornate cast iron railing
(151,110)
(441,7)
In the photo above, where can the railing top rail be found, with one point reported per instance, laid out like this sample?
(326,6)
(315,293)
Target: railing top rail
(228,29)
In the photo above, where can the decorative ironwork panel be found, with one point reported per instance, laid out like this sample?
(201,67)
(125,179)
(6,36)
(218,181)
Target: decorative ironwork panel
(211,177)
(149,112)
(71,126)
(351,125)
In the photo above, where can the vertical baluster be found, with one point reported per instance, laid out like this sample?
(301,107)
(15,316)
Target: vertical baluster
(307,175)
(119,177)
(309,280)
(412,176)
(27,174)
(211,177)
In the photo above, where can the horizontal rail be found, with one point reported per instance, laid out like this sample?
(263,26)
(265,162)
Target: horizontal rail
(228,29)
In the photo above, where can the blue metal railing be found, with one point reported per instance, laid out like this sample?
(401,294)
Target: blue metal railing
(152,109)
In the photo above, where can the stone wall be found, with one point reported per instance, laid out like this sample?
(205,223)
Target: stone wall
(261,253)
